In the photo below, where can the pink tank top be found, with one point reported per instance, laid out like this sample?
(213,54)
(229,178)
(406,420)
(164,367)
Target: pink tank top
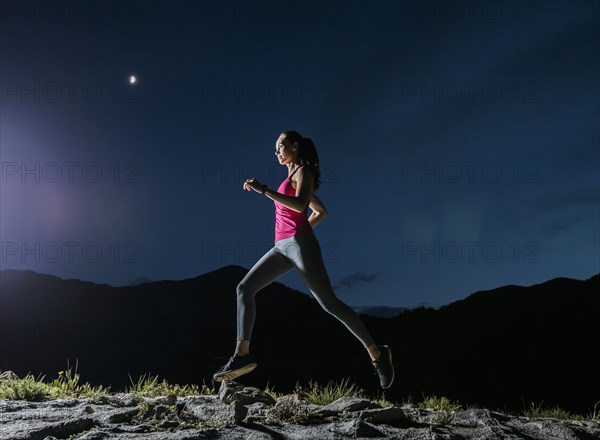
(287,221)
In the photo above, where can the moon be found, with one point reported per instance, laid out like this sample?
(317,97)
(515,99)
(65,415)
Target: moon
(132,79)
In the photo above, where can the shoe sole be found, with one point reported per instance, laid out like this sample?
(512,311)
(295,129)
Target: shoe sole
(230,375)
(389,352)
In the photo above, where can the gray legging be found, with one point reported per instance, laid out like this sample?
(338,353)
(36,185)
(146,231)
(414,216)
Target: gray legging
(303,252)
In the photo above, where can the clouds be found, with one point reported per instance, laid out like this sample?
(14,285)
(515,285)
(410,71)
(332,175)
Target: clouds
(559,226)
(357,277)
(569,198)
(562,212)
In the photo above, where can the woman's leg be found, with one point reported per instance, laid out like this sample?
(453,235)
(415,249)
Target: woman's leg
(269,268)
(305,252)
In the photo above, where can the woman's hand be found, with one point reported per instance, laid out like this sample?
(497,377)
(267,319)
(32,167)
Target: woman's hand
(253,184)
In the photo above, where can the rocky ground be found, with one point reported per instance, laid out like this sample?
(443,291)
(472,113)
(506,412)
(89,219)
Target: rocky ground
(240,412)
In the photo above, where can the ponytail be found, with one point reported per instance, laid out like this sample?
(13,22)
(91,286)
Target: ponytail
(307,154)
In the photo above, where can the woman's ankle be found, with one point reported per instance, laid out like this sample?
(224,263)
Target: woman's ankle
(242,348)
(374,352)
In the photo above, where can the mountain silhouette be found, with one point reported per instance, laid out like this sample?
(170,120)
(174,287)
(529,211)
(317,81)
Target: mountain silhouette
(499,348)
(379,311)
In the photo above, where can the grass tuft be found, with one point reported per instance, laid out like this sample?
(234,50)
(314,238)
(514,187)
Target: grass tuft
(271,392)
(441,404)
(67,385)
(148,386)
(539,411)
(595,413)
(320,395)
(289,410)
(28,388)
(379,398)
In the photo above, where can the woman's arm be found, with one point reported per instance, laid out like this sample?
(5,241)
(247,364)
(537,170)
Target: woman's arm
(317,205)
(319,211)
(304,189)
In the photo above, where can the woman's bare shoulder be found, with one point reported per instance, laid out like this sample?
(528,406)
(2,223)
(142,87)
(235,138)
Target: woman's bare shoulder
(304,170)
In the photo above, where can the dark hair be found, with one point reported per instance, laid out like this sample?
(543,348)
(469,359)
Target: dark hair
(307,154)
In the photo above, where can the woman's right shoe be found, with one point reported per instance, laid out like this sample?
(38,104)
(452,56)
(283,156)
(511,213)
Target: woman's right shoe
(384,367)
(235,367)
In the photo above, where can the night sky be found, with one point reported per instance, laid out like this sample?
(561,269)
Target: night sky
(459,141)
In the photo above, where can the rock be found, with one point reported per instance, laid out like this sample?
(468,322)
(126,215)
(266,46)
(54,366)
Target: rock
(392,416)
(552,429)
(123,400)
(232,391)
(207,408)
(144,427)
(95,435)
(256,410)
(239,412)
(292,396)
(121,415)
(364,429)
(161,409)
(62,429)
(69,402)
(357,429)
(314,408)
(347,404)
(419,415)
(169,424)
(159,419)
(104,400)
(171,400)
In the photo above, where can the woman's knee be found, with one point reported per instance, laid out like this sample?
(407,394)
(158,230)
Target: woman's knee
(245,290)
(334,307)
(242,289)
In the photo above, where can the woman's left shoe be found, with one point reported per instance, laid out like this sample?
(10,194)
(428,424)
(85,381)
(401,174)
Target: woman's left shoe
(235,367)
(384,367)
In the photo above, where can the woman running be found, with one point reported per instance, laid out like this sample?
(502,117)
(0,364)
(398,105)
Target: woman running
(296,246)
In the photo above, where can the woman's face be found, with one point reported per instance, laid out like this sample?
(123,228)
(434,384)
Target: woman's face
(284,151)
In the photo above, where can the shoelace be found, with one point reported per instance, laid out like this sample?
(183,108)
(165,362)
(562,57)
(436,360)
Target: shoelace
(228,359)
(376,369)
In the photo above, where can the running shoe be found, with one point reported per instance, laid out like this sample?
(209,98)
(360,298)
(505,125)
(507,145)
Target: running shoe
(384,367)
(235,367)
